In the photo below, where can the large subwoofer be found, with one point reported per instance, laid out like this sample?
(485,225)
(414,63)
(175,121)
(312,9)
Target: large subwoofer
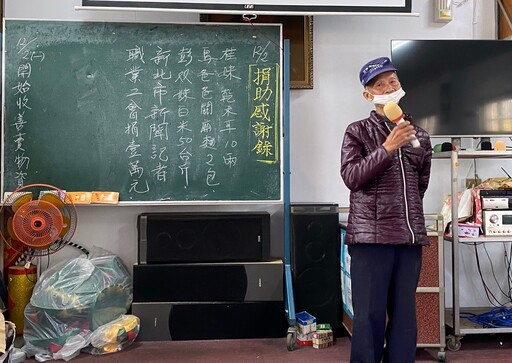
(203,237)
(315,258)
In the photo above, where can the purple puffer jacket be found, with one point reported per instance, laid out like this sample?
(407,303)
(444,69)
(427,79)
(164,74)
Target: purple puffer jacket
(386,191)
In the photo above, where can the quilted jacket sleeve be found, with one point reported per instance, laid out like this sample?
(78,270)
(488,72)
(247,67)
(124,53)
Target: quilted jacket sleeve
(359,164)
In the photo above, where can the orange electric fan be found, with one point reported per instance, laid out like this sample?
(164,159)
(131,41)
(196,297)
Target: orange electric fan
(38,219)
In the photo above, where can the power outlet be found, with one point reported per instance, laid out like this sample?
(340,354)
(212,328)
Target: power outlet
(472,182)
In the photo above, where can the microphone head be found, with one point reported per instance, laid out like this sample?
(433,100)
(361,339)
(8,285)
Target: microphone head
(393,112)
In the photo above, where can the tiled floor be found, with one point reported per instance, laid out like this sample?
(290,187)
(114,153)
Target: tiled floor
(481,348)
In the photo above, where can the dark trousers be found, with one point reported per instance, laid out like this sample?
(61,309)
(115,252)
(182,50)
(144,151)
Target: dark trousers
(384,281)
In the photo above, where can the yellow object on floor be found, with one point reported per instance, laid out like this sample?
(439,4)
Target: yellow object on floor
(20,286)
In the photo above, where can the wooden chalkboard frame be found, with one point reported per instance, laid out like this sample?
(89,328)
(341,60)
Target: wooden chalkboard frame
(299,29)
(275,193)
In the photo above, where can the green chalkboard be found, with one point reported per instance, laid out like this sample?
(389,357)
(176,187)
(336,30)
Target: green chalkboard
(157,112)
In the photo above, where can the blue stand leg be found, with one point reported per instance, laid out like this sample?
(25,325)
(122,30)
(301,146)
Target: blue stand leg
(289,302)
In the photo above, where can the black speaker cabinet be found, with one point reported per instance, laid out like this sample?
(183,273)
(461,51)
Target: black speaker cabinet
(315,258)
(210,320)
(214,281)
(203,237)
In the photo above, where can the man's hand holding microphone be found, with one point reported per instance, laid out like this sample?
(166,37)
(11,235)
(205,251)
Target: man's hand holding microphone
(403,133)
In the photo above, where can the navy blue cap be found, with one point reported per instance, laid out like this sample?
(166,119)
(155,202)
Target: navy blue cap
(373,68)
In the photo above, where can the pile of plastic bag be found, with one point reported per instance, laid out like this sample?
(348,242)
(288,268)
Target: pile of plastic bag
(77,302)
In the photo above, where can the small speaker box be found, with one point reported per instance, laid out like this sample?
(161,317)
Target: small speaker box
(214,281)
(161,321)
(203,237)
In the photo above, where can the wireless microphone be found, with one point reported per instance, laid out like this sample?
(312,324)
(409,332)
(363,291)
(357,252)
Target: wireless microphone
(394,113)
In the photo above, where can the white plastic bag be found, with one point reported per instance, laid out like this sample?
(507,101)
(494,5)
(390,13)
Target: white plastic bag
(73,346)
(9,336)
(115,336)
(72,299)
(465,208)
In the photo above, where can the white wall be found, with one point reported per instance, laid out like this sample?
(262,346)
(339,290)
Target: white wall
(115,227)
(318,116)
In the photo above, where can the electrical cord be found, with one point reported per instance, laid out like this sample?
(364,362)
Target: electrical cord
(487,290)
(506,294)
(29,257)
(493,300)
(507,261)
(495,318)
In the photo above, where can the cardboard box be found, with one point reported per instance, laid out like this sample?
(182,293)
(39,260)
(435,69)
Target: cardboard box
(306,323)
(304,339)
(467,230)
(323,326)
(321,337)
(322,346)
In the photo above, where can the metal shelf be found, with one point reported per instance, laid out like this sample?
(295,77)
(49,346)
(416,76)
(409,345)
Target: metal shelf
(481,239)
(468,327)
(461,325)
(473,154)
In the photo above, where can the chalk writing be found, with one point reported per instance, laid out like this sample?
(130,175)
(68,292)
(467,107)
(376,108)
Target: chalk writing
(263,117)
(156,112)
(26,50)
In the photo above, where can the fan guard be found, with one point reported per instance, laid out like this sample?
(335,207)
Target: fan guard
(38,219)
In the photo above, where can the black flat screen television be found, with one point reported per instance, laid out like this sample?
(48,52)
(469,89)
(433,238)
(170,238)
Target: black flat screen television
(456,88)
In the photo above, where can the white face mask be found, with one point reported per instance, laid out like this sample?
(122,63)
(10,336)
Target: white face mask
(390,97)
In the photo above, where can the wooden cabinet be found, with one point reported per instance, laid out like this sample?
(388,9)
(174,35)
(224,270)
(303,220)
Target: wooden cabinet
(505,19)
(430,305)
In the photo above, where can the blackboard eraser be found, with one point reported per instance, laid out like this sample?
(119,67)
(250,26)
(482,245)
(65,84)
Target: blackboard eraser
(79,197)
(105,197)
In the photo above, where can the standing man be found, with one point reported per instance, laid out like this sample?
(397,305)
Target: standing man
(387,178)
